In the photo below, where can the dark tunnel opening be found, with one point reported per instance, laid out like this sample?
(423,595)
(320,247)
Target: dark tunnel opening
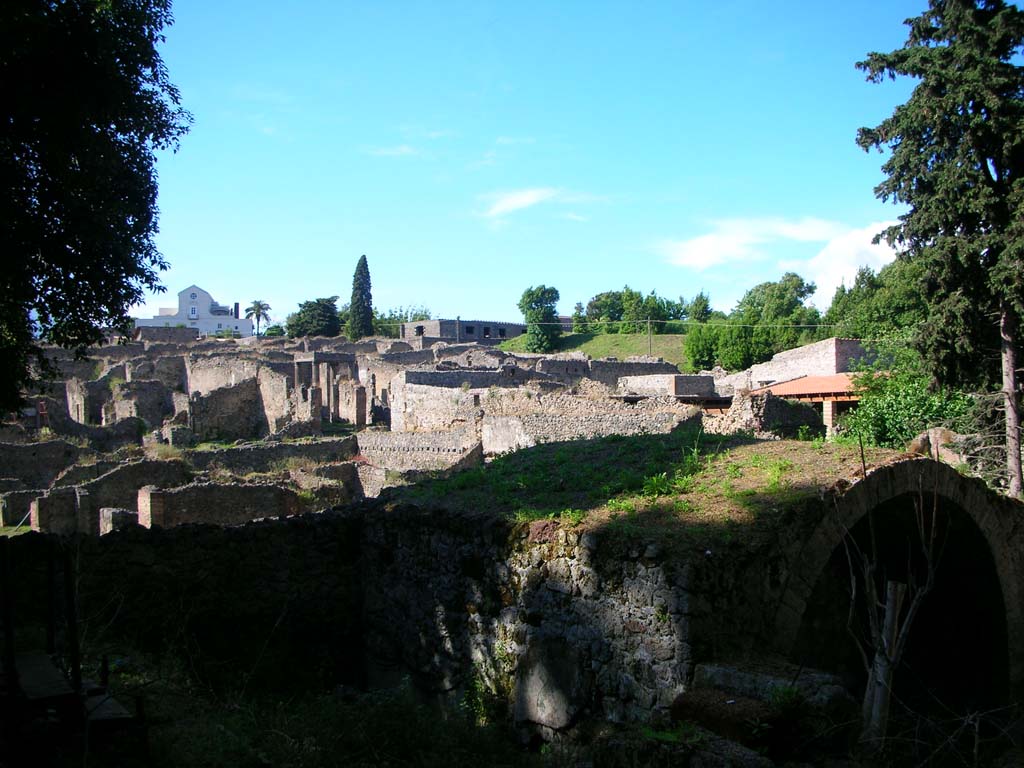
(957,657)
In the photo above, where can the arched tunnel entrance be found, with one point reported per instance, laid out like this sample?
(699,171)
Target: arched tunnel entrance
(957,654)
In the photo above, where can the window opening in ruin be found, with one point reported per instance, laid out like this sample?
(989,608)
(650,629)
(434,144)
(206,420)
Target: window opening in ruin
(487,332)
(469,329)
(501,333)
(420,330)
(476,401)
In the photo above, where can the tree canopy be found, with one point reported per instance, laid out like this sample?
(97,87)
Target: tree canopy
(85,104)
(956,161)
(538,308)
(876,306)
(360,309)
(318,317)
(771,317)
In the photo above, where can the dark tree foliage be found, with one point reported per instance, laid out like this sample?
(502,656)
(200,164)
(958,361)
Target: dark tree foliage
(957,162)
(701,346)
(360,309)
(579,318)
(538,308)
(627,311)
(699,309)
(315,318)
(885,305)
(85,103)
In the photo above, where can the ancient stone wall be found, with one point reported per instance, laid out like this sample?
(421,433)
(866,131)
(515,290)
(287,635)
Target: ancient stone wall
(86,399)
(515,419)
(214,504)
(608,371)
(155,333)
(275,398)
(823,358)
(209,372)
(565,368)
(352,403)
(765,416)
(76,509)
(169,370)
(678,385)
(229,413)
(150,401)
(420,451)
(37,464)
(545,617)
(265,457)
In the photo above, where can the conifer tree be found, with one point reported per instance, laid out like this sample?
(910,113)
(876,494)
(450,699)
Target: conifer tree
(957,163)
(360,317)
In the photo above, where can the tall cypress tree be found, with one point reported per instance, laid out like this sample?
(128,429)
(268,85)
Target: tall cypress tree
(360,318)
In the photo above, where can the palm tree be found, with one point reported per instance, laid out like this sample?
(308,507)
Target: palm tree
(258,311)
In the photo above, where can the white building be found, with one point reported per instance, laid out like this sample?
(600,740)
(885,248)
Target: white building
(197,309)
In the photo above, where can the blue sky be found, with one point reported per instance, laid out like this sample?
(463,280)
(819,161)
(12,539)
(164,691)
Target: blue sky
(473,149)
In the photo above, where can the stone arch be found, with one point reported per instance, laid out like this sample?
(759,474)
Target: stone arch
(1000,521)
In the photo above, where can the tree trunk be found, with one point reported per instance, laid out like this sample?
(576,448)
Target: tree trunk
(1008,334)
(877,696)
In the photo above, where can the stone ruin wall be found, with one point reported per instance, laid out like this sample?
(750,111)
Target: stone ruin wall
(267,457)
(766,417)
(428,451)
(822,358)
(214,504)
(76,509)
(564,625)
(37,464)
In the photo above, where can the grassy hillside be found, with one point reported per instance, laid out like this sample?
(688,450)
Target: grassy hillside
(685,490)
(620,345)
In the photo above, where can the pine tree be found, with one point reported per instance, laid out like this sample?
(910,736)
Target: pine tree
(360,318)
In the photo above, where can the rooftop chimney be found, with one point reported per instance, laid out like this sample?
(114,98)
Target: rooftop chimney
(236,310)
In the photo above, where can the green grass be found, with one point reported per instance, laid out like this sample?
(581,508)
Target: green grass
(13,530)
(667,346)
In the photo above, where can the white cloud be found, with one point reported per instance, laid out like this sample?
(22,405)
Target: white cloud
(399,151)
(738,240)
(517,200)
(840,258)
